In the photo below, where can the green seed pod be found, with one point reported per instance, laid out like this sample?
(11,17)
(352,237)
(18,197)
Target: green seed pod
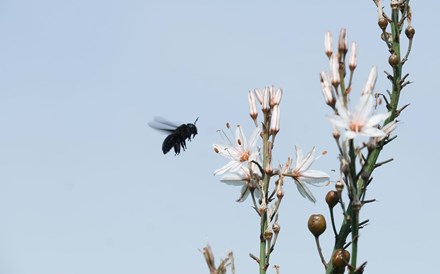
(317,224)
(332,198)
(340,258)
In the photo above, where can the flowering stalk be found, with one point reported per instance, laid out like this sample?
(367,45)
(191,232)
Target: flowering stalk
(357,166)
(251,168)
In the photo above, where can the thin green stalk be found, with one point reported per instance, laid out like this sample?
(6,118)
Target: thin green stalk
(354,234)
(264,218)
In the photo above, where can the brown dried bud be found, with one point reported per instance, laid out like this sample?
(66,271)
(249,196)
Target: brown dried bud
(280,194)
(393,60)
(344,167)
(383,23)
(276,228)
(268,234)
(317,224)
(332,198)
(340,258)
(410,31)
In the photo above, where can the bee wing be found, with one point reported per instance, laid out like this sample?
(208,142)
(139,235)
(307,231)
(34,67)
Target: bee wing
(163,121)
(162,125)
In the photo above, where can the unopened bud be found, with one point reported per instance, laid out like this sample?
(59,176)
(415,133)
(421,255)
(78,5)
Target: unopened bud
(334,70)
(252,107)
(276,228)
(328,44)
(327,90)
(342,43)
(259,96)
(266,99)
(371,81)
(353,62)
(275,120)
(275,97)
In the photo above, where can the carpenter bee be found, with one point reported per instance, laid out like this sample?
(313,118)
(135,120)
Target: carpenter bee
(177,135)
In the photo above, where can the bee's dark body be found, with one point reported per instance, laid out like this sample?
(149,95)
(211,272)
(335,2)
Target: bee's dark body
(178,135)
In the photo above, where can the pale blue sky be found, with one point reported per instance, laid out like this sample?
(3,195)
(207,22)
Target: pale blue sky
(84,187)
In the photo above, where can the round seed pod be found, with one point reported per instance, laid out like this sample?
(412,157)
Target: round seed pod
(393,60)
(332,198)
(410,31)
(340,258)
(317,224)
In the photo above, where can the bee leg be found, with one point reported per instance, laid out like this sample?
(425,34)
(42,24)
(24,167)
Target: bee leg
(176,149)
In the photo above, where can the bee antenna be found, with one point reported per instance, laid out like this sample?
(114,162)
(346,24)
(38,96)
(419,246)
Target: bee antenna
(196,120)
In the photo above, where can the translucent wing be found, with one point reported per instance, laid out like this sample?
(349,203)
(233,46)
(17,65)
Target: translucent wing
(163,125)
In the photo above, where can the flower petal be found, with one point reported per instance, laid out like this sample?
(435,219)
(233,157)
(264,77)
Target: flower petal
(305,191)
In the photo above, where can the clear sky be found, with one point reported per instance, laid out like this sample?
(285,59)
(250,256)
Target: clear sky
(84,187)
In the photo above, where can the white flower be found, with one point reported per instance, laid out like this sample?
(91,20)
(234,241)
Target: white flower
(361,121)
(241,153)
(243,178)
(302,175)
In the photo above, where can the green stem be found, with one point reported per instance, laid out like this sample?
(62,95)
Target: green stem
(354,234)
(264,218)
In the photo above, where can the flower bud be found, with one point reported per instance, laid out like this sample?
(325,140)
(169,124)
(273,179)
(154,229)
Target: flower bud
(266,98)
(342,43)
(353,62)
(328,44)
(259,96)
(275,120)
(332,198)
(327,90)
(275,97)
(371,81)
(252,107)
(317,224)
(276,228)
(340,258)
(334,70)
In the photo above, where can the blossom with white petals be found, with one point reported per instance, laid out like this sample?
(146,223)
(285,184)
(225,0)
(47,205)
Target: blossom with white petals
(361,121)
(241,153)
(247,178)
(302,175)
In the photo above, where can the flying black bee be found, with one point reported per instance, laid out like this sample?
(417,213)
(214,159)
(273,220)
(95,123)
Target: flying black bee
(177,134)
